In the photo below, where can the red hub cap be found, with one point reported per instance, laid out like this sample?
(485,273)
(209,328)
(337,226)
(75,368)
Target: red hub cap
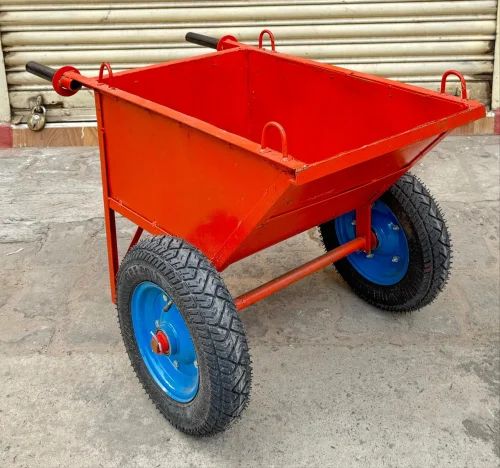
(160,343)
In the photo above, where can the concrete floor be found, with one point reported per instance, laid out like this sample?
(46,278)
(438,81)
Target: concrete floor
(336,382)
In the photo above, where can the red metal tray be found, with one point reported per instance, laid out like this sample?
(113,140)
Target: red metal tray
(236,150)
(187,148)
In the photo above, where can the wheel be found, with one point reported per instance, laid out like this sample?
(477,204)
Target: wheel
(410,264)
(184,338)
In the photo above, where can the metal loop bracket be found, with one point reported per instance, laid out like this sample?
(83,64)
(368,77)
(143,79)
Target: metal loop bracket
(446,74)
(221,45)
(281,130)
(271,38)
(107,66)
(62,85)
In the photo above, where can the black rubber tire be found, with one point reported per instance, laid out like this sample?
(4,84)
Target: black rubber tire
(209,312)
(429,246)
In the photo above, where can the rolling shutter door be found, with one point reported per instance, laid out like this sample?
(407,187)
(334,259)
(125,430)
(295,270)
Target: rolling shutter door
(412,41)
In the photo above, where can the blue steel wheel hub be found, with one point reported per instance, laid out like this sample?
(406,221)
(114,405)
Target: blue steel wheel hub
(388,262)
(164,342)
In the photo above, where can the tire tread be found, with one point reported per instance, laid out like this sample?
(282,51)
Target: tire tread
(211,314)
(425,215)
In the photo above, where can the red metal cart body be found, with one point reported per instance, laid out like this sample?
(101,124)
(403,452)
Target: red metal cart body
(236,150)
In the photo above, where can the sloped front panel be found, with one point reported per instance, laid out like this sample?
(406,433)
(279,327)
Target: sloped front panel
(188,183)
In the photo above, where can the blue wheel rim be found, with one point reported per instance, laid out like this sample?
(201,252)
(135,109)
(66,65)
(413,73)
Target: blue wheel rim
(389,261)
(176,373)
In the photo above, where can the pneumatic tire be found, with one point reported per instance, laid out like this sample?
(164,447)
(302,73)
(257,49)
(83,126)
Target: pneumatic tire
(407,209)
(182,333)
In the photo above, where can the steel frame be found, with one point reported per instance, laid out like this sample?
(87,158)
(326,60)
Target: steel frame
(364,240)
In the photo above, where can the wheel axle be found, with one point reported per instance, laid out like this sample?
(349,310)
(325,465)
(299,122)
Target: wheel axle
(160,343)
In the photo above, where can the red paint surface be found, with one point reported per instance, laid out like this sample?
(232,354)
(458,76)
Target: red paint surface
(160,343)
(456,73)
(181,145)
(5,136)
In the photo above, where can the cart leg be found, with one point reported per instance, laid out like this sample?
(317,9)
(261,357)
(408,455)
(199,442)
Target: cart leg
(136,238)
(364,226)
(109,218)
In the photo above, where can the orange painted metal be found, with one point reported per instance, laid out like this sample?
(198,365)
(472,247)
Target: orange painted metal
(109,213)
(364,226)
(459,76)
(281,130)
(271,39)
(61,82)
(136,238)
(257,294)
(160,343)
(181,149)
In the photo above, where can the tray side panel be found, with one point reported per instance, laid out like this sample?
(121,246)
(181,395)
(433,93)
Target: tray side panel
(186,182)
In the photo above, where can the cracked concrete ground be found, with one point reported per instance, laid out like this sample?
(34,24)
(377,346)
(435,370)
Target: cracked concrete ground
(336,382)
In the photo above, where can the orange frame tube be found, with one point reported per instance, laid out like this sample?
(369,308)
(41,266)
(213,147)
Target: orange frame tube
(300,272)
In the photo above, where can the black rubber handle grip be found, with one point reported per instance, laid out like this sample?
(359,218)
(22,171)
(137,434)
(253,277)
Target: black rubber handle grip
(40,70)
(201,39)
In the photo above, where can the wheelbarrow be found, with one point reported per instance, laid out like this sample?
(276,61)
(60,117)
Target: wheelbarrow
(222,155)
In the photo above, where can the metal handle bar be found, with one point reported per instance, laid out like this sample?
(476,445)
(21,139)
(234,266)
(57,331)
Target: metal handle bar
(47,73)
(201,39)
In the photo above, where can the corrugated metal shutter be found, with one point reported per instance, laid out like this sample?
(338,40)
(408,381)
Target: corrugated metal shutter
(412,41)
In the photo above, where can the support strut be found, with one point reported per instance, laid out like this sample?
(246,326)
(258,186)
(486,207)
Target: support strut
(261,292)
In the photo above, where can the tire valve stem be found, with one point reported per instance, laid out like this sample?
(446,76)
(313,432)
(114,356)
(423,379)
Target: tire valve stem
(395,259)
(168,305)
